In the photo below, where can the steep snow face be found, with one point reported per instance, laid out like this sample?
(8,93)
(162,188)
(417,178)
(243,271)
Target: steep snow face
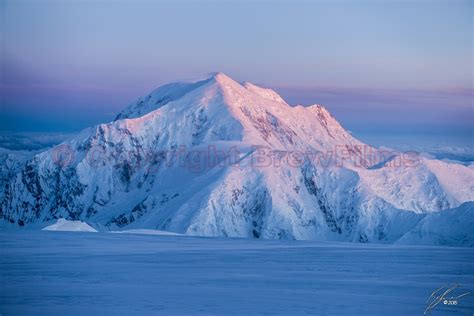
(158,98)
(219,158)
(11,162)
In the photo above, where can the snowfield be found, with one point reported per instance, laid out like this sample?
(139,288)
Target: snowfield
(146,232)
(59,273)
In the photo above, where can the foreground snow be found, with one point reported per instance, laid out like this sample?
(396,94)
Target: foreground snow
(70,226)
(56,273)
(146,232)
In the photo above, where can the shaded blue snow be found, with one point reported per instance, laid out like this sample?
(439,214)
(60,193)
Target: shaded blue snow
(54,273)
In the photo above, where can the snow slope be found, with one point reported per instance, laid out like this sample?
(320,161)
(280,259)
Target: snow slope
(450,227)
(219,158)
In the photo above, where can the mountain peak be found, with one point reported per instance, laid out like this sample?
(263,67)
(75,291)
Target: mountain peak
(178,157)
(220,76)
(225,81)
(262,113)
(172,92)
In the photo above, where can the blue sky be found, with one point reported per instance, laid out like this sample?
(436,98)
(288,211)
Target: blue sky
(380,66)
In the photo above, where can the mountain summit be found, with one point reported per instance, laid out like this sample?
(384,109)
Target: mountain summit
(215,157)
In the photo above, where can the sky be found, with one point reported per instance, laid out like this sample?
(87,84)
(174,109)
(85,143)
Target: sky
(382,67)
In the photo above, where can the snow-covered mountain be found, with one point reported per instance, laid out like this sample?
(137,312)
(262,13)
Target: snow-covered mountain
(216,157)
(452,227)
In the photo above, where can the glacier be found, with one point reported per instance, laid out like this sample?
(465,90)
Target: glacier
(215,157)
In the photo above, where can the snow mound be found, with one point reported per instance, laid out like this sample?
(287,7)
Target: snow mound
(64,225)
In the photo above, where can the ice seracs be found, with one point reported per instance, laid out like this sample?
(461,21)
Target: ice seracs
(215,157)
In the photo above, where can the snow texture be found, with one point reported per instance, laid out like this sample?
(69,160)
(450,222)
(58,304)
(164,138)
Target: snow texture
(58,273)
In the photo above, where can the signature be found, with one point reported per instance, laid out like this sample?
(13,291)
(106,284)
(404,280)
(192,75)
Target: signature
(441,295)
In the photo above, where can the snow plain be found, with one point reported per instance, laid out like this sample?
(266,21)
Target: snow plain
(77,273)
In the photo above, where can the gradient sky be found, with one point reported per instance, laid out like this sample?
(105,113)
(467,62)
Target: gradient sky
(380,66)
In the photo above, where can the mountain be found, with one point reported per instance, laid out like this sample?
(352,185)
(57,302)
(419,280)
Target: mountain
(215,157)
(452,227)
(11,162)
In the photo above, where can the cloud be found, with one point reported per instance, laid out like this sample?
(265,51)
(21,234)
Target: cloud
(31,141)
